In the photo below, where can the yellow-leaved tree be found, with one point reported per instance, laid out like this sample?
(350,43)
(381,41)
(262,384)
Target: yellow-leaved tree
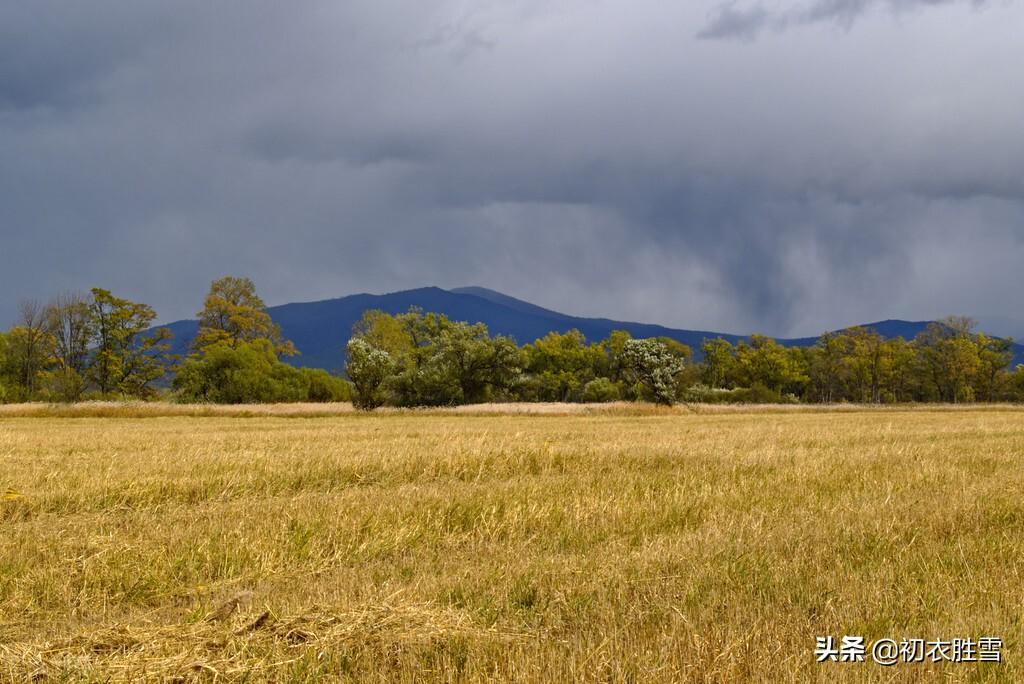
(232,314)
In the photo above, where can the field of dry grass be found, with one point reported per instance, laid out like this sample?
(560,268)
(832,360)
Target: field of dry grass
(529,544)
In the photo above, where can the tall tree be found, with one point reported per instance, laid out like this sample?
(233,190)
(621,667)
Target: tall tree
(613,346)
(654,365)
(719,362)
(902,375)
(950,358)
(828,370)
(864,361)
(30,349)
(477,362)
(6,386)
(385,332)
(561,364)
(994,358)
(68,320)
(763,361)
(233,313)
(128,356)
(368,368)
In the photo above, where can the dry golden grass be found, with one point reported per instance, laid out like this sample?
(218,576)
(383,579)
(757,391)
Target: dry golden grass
(549,543)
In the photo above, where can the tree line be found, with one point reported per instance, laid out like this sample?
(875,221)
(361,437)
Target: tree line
(102,346)
(424,359)
(947,362)
(78,344)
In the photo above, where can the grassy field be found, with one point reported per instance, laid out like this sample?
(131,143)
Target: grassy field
(529,544)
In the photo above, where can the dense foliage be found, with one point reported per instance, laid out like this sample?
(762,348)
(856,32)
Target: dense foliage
(100,345)
(78,346)
(418,359)
(235,355)
(250,372)
(234,314)
(424,359)
(411,360)
(947,362)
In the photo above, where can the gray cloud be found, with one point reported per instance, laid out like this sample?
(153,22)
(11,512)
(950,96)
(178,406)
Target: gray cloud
(594,157)
(733,20)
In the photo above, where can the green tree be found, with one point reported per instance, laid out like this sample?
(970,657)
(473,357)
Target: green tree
(560,364)
(6,389)
(600,390)
(368,368)
(900,373)
(30,352)
(324,387)
(128,357)
(67,319)
(864,363)
(763,361)
(240,372)
(655,366)
(719,362)
(1015,384)
(424,376)
(994,358)
(431,360)
(233,314)
(392,334)
(477,362)
(613,347)
(828,372)
(949,357)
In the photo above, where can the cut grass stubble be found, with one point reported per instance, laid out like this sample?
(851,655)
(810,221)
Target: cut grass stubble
(567,545)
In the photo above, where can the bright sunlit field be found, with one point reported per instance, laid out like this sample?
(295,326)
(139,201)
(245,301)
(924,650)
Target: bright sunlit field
(552,544)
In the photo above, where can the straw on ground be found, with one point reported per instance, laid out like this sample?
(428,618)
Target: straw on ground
(619,544)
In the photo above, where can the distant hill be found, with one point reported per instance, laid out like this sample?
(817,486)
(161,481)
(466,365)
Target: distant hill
(321,329)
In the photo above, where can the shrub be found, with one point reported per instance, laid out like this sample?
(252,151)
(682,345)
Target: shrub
(324,387)
(248,372)
(600,390)
(62,385)
(758,394)
(702,394)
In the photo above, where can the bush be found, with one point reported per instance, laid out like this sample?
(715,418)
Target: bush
(246,373)
(758,394)
(62,385)
(600,390)
(432,384)
(702,394)
(324,387)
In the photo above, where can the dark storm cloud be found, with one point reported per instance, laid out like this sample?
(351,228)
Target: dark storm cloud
(591,156)
(53,55)
(745,21)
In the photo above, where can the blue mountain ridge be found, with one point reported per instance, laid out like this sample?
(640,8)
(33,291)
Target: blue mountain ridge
(321,329)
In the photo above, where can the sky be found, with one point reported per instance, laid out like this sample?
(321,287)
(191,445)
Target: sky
(741,166)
